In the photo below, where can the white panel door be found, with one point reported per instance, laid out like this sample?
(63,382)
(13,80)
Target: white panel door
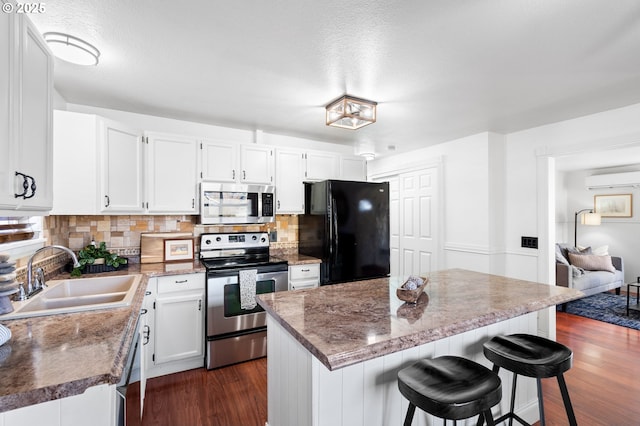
(418,245)
(394,225)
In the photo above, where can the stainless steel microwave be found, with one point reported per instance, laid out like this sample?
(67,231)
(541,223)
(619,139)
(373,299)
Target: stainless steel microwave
(223,203)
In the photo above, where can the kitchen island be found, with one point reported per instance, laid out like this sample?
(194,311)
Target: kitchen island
(334,352)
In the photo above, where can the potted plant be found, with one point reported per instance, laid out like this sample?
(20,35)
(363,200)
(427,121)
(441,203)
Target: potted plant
(96,258)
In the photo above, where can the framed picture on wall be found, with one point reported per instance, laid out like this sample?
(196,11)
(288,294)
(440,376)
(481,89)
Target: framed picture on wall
(178,249)
(615,205)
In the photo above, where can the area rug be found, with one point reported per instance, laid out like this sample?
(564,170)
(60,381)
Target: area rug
(606,307)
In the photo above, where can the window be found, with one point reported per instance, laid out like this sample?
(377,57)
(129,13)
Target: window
(20,236)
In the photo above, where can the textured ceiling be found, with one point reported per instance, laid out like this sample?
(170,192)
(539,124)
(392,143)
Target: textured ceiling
(440,70)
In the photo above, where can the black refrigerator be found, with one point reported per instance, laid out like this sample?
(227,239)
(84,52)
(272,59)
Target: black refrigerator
(346,224)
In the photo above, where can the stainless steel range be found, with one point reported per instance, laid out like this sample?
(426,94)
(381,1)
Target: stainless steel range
(236,333)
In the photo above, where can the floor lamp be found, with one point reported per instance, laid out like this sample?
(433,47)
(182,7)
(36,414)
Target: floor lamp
(590,218)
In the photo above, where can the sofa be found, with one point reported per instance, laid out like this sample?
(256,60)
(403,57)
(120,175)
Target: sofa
(588,270)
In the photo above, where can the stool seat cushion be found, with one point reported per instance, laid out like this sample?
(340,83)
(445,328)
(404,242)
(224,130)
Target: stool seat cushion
(529,355)
(450,387)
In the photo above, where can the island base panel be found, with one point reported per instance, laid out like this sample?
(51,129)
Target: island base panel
(302,391)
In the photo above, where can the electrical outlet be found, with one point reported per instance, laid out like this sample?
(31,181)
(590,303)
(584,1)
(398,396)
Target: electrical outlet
(273,236)
(529,242)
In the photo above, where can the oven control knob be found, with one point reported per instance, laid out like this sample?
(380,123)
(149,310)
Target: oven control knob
(218,239)
(263,239)
(254,238)
(207,242)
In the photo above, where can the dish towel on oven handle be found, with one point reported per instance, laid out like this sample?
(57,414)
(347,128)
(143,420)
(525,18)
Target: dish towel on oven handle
(248,288)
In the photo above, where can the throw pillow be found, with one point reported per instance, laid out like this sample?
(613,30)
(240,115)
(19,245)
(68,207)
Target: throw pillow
(592,262)
(560,258)
(600,251)
(566,249)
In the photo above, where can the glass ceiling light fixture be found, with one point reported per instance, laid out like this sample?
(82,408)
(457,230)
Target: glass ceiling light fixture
(349,112)
(72,49)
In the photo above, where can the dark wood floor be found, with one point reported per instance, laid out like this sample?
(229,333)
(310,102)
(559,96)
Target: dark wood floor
(604,384)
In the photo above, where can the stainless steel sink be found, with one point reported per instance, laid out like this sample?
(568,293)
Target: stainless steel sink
(79,294)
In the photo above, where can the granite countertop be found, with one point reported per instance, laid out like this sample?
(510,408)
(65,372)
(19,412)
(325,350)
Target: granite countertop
(56,356)
(345,324)
(298,259)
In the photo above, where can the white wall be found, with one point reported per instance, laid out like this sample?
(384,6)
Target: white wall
(465,195)
(483,222)
(595,133)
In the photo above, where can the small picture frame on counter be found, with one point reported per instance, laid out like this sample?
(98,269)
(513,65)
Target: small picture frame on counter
(178,249)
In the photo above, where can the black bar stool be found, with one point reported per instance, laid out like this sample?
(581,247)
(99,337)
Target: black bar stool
(450,387)
(531,356)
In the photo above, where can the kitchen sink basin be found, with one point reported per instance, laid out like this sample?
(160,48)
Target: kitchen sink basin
(79,294)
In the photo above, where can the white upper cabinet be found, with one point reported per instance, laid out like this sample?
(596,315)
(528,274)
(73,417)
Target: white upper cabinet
(353,168)
(219,161)
(237,163)
(26,89)
(75,163)
(97,166)
(290,168)
(8,100)
(171,173)
(121,154)
(322,165)
(256,164)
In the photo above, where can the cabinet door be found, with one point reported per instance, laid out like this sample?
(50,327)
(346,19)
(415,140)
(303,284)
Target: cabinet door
(75,164)
(172,173)
(8,98)
(179,327)
(146,339)
(121,169)
(289,178)
(322,165)
(353,168)
(257,164)
(35,155)
(219,161)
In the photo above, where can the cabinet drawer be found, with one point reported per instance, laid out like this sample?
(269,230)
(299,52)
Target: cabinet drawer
(300,285)
(304,272)
(173,283)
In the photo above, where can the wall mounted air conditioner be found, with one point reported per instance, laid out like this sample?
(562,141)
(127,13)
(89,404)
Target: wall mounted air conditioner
(614,180)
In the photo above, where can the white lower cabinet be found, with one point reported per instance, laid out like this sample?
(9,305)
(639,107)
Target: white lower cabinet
(304,276)
(177,333)
(95,407)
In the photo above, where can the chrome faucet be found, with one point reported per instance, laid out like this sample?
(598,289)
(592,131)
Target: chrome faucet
(34,286)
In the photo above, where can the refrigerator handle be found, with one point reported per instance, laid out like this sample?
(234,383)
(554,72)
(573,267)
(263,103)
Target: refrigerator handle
(334,227)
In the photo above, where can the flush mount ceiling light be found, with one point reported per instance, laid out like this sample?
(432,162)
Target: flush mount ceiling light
(349,112)
(72,49)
